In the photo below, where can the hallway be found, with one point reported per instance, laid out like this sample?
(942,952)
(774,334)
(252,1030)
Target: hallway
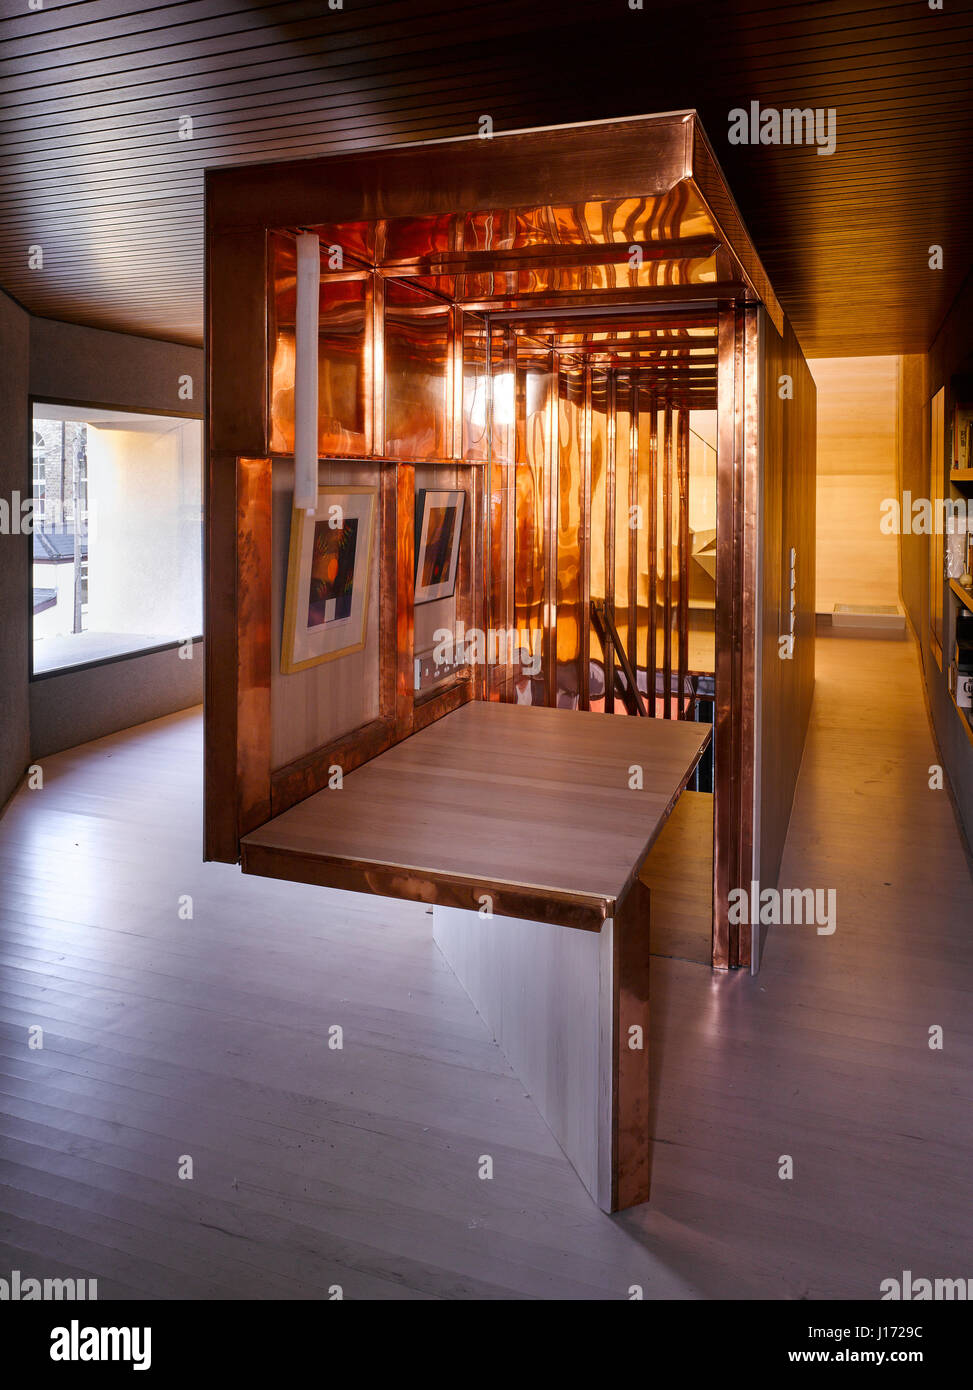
(166,1036)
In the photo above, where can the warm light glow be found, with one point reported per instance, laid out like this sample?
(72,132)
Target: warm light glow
(503,398)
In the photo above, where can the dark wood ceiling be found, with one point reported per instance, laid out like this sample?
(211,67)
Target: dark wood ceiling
(93,171)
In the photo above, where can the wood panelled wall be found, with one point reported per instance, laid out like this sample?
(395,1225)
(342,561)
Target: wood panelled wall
(856,434)
(787,521)
(948,363)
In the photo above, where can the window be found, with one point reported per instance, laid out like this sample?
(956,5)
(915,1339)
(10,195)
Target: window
(118,535)
(39,476)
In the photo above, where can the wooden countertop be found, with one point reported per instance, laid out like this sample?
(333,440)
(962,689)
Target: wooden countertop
(527,805)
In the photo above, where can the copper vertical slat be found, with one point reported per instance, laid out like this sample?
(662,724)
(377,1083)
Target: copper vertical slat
(480,561)
(652,648)
(610,464)
(751,616)
(454,383)
(584,700)
(633,535)
(388,615)
(405,597)
(378,364)
(667,559)
(369,365)
(682,472)
(724,865)
(550,537)
(510,507)
(254,656)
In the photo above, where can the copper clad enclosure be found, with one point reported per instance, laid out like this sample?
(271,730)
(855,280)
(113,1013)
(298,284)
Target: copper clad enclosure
(563,325)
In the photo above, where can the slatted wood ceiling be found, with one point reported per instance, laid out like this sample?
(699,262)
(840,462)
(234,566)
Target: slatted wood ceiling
(92,169)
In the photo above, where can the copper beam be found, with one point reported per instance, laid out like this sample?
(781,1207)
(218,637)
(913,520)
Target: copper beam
(548,255)
(644,297)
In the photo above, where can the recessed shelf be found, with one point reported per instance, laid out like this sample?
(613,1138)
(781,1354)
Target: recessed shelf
(961,477)
(962,594)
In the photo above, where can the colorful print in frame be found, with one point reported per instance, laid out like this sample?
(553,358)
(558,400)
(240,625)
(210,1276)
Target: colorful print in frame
(439,529)
(328,575)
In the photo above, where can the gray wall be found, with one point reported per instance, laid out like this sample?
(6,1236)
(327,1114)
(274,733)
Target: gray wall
(98,700)
(14,355)
(64,362)
(70,363)
(88,365)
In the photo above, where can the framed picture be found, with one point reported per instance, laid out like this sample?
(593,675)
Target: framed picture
(328,572)
(439,529)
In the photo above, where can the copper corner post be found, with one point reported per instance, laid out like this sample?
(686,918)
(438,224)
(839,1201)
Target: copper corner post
(736,625)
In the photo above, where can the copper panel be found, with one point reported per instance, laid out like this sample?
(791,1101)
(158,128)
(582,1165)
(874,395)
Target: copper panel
(404,596)
(507,433)
(551,442)
(611,463)
(475,354)
(513,305)
(569,520)
(530,509)
(416,360)
(586,536)
(343,400)
(254,642)
(630,1065)
(633,529)
(667,538)
(331,871)
(545,256)
(682,483)
(378,353)
(712,189)
(309,774)
(388,614)
(651,656)
(221,642)
(725,862)
(596,434)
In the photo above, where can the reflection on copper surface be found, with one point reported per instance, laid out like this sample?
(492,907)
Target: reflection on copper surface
(580,414)
(570,503)
(476,442)
(342,397)
(416,368)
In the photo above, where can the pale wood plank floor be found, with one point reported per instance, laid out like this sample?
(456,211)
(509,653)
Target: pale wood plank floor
(313,1167)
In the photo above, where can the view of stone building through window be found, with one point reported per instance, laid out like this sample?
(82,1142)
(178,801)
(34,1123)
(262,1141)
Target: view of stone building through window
(117,544)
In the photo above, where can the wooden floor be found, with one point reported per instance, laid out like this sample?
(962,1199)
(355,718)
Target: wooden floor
(208,1037)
